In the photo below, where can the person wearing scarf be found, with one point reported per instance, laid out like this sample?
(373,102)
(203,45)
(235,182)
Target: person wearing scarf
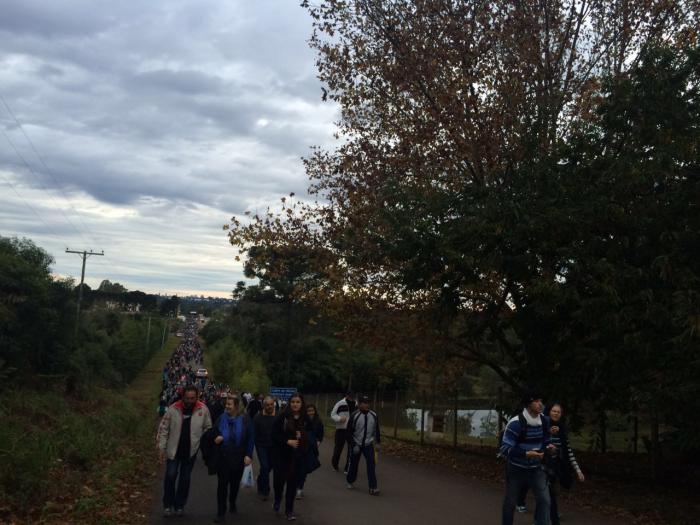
(235,437)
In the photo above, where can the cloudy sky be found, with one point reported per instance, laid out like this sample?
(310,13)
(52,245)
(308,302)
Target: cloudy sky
(140,128)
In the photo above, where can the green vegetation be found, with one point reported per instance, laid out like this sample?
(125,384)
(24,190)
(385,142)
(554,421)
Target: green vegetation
(234,366)
(266,337)
(76,440)
(79,460)
(37,322)
(517,197)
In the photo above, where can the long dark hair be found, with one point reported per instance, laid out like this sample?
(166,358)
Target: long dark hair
(316,416)
(287,413)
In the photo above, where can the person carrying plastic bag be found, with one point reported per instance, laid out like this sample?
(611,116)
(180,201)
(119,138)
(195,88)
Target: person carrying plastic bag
(235,437)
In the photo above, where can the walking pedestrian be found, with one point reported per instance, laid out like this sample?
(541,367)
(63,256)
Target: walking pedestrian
(363,436)
(291,436)
(264,443)
(311,461)
(341,414)
(561,465)
(179,434)
(526,440)
(255,405)
(235,436)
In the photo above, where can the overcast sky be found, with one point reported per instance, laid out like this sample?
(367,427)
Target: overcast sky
(145,126)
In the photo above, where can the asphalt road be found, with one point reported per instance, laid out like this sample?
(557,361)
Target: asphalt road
(411,494)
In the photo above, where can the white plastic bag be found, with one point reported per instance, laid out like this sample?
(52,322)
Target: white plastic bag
(248,479)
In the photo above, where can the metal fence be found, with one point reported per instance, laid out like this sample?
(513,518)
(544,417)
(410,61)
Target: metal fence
(415,417)
(459,421)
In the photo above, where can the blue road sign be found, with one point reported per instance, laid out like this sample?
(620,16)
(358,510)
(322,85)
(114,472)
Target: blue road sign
(281,392)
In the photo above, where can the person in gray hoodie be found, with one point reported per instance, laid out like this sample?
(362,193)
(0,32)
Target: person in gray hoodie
(179,434)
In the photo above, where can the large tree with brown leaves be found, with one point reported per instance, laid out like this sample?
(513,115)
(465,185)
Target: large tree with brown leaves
(474,202)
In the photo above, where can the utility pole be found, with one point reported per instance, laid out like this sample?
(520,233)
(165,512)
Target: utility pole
(166,328)
(84,254)
(148,335)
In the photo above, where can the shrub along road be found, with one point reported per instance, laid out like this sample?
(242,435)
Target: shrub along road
(412,494)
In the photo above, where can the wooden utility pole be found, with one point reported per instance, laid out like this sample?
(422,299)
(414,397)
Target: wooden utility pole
(148,336)
(84,254)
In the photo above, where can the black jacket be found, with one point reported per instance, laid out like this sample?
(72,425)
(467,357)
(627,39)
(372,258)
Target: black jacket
(284,429)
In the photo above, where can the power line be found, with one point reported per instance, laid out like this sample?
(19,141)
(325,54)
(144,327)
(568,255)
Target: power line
(9,183)
(29,168)
(50,173)
(48,170)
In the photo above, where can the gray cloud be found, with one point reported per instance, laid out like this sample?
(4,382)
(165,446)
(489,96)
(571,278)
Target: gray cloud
(158,120)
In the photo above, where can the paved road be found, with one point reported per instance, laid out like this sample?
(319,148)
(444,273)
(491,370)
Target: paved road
(412,494)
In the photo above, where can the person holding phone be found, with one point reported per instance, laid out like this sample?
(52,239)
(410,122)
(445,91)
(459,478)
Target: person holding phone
(290,433)
(526,440)
(561,465)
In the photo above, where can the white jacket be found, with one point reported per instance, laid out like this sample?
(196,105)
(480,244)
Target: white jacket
(171,425)
(342,410)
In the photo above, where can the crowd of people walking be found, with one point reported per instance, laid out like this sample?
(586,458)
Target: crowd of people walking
(231,429)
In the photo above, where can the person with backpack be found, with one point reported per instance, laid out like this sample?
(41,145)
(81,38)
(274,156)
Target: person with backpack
(525,442)
(363,435)
(235,438)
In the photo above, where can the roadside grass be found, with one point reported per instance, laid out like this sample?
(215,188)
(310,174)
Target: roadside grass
(90,460)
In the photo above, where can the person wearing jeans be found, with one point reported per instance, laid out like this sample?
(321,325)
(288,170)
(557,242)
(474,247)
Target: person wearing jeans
(177,488)
(363,433)
(264,444)
(179,434)
(526,440)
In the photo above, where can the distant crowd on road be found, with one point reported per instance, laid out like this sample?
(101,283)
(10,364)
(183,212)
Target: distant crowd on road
(230,428)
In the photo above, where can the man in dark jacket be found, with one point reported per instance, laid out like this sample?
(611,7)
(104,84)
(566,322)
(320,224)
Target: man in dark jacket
(255,406)
(264,444)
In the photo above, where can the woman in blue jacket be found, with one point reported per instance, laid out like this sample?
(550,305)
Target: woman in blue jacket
(235,439)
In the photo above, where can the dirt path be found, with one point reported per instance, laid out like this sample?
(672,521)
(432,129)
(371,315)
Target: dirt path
(412,494)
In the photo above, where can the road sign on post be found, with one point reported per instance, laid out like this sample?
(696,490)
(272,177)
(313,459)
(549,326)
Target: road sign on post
(282,393)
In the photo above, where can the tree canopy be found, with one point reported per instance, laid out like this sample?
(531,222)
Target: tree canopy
(515,186)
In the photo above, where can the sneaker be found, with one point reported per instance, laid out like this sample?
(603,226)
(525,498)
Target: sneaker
(219,519)
(350,485)
(374,492)
(345,472)
(167,512)
(300,494)
(179,513)
(522,509)
(291,517)
(276,507)
(335,469)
